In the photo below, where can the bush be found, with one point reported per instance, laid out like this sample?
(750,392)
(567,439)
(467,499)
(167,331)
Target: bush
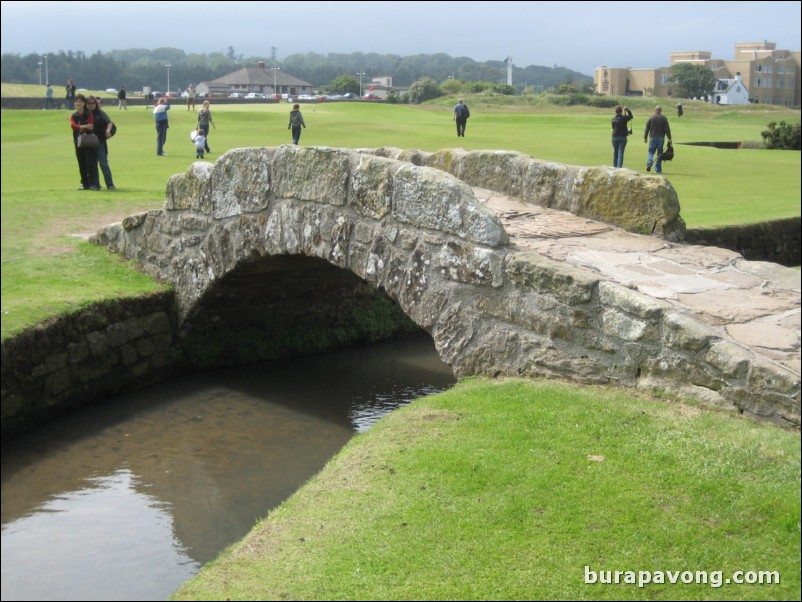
(784,136)
(602,102)
(568,100)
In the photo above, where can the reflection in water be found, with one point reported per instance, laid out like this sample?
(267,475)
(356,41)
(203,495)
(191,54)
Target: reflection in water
(63,541)
(126,500)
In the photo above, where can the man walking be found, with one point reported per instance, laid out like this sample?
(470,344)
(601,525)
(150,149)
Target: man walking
(460,115)
(162,123)
(656,132)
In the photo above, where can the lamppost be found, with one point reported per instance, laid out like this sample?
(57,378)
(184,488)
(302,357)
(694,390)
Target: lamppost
(275,70)
(40,72)
(47,76)
(360,74)
(168,79)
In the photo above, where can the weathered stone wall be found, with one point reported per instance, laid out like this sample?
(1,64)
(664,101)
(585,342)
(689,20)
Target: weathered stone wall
(779,241)
(73,360)
(420,235)
(621,197)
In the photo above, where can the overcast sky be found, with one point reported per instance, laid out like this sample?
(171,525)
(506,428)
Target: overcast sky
(577,35)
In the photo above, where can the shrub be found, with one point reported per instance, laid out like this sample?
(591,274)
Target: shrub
(784,136)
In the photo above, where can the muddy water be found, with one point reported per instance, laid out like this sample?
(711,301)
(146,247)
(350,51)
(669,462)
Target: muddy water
(126,500)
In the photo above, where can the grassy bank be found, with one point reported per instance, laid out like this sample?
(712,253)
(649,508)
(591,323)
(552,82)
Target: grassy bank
(44,216)
(507,490)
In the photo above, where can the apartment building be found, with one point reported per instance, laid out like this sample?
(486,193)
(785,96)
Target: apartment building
(769,75)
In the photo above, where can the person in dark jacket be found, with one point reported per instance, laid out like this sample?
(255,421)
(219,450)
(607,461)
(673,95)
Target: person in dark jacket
(620,132)
(296,121)
(656,133)
(103,132)
(82,121)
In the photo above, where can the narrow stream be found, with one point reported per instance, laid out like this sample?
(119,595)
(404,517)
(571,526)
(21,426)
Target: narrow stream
(126,500)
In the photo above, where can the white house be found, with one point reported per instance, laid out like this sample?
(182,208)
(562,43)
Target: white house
(731,92)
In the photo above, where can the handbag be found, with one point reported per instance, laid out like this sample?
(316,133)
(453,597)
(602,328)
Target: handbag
(668,154)
(86,141)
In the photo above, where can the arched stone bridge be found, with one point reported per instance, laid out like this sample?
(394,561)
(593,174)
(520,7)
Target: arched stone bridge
(505,281)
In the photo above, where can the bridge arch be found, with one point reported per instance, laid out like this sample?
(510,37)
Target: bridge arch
(352,222)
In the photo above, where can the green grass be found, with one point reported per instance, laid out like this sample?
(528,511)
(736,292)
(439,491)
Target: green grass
(506,490)
(42,210)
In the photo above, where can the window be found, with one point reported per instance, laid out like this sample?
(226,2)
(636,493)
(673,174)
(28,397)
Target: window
(758,83)
(781,83)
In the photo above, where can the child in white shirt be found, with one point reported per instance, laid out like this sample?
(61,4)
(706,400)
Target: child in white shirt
(200,143)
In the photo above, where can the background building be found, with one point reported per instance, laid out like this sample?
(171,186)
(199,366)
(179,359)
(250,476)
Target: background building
(257,79)
(769,75)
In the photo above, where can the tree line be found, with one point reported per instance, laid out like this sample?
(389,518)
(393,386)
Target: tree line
(136,68)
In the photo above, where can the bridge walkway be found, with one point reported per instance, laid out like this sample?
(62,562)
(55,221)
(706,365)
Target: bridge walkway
(756,303)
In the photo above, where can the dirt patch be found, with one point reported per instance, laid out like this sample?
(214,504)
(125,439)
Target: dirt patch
(50,239)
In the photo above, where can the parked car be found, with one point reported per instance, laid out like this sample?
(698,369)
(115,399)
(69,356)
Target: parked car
(255,95)
(111,90)
(235,95)
(371,97)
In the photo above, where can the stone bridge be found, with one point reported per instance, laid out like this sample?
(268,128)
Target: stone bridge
(514,266)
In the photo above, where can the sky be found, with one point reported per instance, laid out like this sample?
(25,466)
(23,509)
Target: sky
(578,35)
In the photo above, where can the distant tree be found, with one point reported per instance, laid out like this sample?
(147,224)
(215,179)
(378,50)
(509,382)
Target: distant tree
(785,136)
(452,87)
(343,85)
(692,81)
(424,89)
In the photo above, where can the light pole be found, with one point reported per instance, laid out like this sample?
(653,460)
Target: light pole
(275,70)
(40,72)
(360,74)
(47,77)
(168,79)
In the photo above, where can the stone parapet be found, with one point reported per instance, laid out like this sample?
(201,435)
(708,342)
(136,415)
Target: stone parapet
(644,204)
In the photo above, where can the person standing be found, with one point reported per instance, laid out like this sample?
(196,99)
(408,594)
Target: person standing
(162,124)
(48,96)
(296,121)
(460,115)
(103,132)
(70,95)
(621,130)
(679,109)
(82,121)
(122,96)
(656,133)
(204,121)
(200,143)
(191,95)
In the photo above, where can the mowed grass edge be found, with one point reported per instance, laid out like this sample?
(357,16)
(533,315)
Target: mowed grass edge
(521,490)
